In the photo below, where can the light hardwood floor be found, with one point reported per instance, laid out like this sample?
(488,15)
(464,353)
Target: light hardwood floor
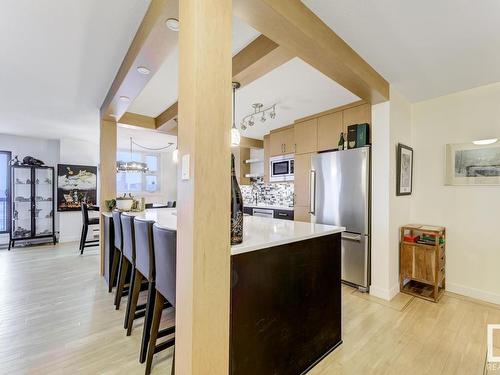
(56,317)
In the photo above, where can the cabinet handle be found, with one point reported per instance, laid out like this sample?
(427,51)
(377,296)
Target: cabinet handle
(282,214)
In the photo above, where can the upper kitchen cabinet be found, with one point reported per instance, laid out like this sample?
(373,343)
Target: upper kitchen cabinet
(306,136)
(329,128)
(361,114)
(282,141)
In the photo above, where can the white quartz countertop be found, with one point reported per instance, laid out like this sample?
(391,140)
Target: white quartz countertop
(258,232)
(270,207)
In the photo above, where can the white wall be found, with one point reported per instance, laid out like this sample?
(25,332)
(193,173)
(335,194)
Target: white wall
(471,214)
(399,213)
(391,124)
(44,149)
(380,286)
(80,153)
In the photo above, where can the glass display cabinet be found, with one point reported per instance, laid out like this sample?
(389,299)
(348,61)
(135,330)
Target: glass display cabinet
(32,204)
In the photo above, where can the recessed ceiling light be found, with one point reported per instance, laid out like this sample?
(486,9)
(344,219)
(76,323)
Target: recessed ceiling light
(483,142)
(143,70)
(124,98)
(172,24)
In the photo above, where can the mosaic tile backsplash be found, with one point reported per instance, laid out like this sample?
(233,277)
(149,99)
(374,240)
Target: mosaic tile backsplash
(268,194)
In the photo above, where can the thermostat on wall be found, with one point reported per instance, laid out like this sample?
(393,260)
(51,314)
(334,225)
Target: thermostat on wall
(185,167)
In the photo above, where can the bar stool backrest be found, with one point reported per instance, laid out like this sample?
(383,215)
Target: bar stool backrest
(144,250)
(85,213)
(165,245)
(128,236)
(117,225)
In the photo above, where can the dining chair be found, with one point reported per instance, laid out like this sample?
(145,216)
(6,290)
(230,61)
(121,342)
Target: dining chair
(86,222)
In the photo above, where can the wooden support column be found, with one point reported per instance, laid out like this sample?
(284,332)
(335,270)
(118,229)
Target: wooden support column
(107,173)
(203,229)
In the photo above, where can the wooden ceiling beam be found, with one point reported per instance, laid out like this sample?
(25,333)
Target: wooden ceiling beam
(137,120)
(252,62)
(295,27)
(151,45)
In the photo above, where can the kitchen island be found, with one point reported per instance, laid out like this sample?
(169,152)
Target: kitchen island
(285,292)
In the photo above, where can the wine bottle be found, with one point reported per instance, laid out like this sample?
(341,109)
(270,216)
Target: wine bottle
(341,141)
(236,208)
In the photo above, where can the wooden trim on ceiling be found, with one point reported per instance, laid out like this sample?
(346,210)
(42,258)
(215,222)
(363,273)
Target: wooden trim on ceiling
(295,27)
(258,58)
(137,120)
(167,115)
(252,62)
(150,46)
(330,111)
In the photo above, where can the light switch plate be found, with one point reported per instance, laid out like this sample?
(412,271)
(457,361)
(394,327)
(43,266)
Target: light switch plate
(185,167)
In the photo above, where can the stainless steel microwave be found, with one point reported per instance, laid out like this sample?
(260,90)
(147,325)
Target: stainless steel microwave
(281,168)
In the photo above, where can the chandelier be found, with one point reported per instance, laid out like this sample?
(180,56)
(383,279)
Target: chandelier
(258,111)
(136,166)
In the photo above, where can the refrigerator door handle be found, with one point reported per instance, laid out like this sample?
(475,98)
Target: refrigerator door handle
(312,192)
(351,237)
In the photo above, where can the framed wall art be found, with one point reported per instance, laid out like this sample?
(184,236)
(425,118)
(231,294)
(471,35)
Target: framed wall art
(470,164)
(75,184)
(404,177)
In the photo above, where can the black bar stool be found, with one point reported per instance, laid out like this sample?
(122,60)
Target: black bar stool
(129,260)
(165,248)
(86,222)
(117,268)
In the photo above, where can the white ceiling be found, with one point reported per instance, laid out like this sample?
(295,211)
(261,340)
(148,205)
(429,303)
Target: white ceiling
(424,48)
(58,59)
(299,91)
(162,90)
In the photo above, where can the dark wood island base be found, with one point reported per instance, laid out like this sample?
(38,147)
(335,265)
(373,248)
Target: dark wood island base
(285,306)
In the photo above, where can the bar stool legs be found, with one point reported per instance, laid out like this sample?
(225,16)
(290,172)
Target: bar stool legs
(155,327)
(114,270)
(156,333)
(122,274)
(146,331)
(135,285)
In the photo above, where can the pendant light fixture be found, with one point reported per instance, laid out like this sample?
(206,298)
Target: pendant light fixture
(235,133)
(136,166)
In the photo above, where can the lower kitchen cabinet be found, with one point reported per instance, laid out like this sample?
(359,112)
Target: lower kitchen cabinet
(283,214)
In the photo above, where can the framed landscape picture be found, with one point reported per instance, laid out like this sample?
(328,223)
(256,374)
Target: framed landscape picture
(470,164)
(404,178)
(75,184)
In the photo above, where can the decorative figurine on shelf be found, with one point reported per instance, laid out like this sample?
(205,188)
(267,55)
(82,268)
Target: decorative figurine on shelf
(15,161)
(31,161)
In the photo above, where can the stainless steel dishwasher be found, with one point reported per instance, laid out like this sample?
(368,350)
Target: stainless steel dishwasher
(263,212)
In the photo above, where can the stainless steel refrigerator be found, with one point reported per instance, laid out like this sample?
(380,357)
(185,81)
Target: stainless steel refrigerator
(340,195)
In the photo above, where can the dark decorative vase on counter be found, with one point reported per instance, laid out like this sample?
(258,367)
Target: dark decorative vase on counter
(236,208)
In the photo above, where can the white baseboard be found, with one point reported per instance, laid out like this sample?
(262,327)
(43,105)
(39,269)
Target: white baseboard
(63,239)
(482,295)
(384,293)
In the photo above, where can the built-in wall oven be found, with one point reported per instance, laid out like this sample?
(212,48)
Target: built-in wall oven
(281,168)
